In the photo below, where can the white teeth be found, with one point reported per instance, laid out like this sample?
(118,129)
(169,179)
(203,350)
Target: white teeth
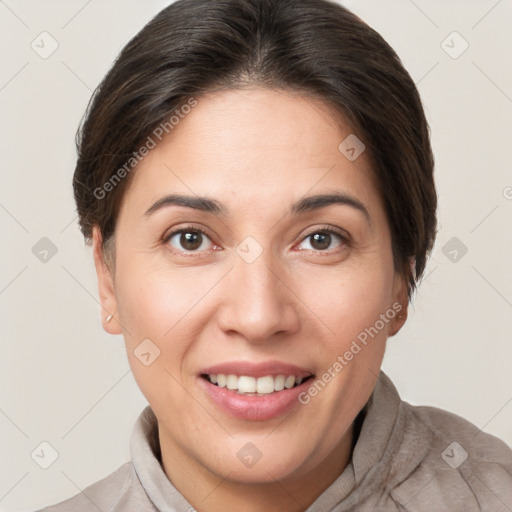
(279,382)
(262,385)
(232,382)
(247,384)
(289,382)
(265,385)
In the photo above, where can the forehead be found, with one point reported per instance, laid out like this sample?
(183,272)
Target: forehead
(256,146)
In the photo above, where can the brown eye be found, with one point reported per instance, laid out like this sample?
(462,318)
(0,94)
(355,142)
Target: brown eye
(320,241)
(191,241)
(188,240)
(323,239)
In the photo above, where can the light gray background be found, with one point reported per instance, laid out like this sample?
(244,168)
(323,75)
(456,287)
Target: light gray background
(66,382)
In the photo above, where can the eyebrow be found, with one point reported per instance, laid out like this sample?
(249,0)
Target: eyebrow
(317,202)
(306,204)
(197,203)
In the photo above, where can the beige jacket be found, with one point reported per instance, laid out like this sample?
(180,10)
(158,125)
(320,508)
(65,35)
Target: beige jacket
(407,458)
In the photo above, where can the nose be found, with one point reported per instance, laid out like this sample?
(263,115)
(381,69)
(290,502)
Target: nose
(259,303)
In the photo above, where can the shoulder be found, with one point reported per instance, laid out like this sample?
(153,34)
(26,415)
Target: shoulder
(454,460)
(466,437)
(101,495)
(456,441)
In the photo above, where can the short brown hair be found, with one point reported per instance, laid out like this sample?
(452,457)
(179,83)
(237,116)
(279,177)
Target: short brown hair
(316,47)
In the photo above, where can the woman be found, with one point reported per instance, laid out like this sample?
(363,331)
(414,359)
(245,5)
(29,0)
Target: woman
(256,179)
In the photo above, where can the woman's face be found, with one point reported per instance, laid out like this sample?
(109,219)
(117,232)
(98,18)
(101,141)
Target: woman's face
(285,282)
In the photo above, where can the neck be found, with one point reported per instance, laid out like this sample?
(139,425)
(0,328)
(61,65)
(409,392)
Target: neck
(210,492)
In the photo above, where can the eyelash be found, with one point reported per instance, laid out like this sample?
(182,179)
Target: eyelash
(324,230)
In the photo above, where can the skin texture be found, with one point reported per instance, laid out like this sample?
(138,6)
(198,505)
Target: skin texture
(256,151)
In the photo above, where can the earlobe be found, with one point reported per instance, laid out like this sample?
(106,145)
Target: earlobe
(105,286)
(399,320)
(400,304)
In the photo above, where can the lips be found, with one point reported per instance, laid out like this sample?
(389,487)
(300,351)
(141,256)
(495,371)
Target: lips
(252,391)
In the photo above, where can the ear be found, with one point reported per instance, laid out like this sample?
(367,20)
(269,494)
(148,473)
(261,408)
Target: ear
(105,285)
(399,298)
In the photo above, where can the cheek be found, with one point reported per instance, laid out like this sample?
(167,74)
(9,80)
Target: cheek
(152,300)
(357,308)
(350,299)
(169,308)
(153,309)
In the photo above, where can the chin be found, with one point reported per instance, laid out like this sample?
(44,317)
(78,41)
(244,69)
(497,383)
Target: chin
(253,459)
(267,470)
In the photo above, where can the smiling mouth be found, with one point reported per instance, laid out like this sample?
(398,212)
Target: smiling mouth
(255,386)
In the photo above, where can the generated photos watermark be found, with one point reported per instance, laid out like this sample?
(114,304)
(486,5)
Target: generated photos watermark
(156,136)
(343,360)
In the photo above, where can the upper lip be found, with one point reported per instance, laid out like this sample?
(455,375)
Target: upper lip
(256,369)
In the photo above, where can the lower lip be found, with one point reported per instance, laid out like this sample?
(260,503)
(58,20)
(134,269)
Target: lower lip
(254,408)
